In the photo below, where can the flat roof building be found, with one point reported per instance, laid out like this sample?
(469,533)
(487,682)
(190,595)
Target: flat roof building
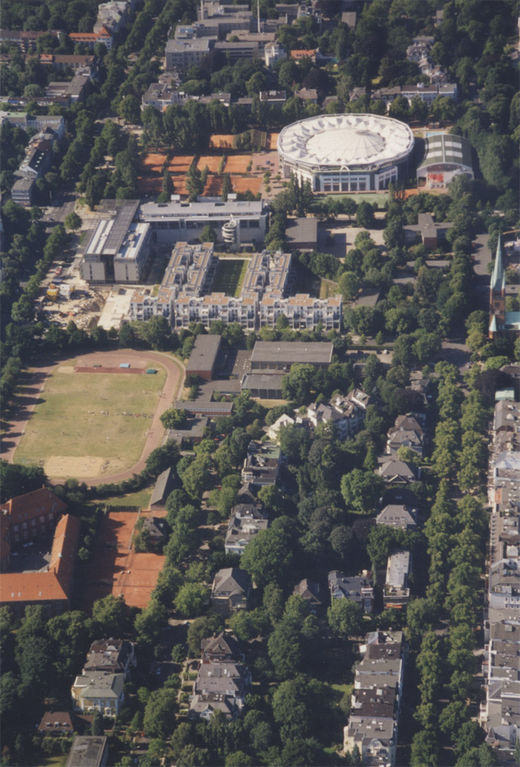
(203,358)
(118,248)
(280,355)
(88,751)
(184,221)
(183,54)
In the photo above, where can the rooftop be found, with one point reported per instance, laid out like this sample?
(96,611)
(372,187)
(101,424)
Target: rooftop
(290,352)
(345,140)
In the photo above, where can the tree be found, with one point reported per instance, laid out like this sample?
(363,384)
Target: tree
(365,215)
(195,478)
(268,557)
(96,728)
(111,614)
(191,599)
(345,618)
(361,490)
(72,221)
(173,418)
(208,234)
(424,749)
(159,714)
(130,109)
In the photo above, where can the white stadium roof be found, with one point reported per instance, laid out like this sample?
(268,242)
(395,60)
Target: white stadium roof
(345,140)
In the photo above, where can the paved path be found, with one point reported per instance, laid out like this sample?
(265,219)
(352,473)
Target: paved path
(34,383)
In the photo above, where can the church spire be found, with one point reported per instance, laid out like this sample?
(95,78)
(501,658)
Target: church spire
(498,278)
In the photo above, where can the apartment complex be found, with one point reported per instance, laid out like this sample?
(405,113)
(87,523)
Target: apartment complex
(500,714)
(185,293)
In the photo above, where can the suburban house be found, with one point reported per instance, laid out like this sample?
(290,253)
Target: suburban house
(406,432)
(311,592)
(394,471)
(261,464)
(358,588)
(112,656)
(220,686)
(222,647)
(98,691)
(247,519)
(56,723)
(230,590)
(273,432)
(345,413)
(399,516)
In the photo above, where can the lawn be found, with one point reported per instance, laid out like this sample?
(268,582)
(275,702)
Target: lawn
(89,424)
(141,499)
(328,288)
(230,276)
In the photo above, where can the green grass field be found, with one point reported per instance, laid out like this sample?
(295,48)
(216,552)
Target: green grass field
(230,276)
(90,423)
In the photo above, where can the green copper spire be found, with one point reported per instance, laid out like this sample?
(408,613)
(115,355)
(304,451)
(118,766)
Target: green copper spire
(498,278)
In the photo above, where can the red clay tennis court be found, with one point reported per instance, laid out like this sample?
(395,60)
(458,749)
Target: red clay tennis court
(222,141)
(115,568)
(211,162)
(238,163)
(246,183)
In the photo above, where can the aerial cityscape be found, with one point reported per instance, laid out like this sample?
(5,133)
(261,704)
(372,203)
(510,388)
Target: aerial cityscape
(260,383)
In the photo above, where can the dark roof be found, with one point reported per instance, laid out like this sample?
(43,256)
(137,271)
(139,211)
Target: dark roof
(157,527)
(204,354)
(87,751)
(205,407)
(193,429)
(290,352)
(231,581)
(56,721)
(223,645)
(162,487)
(300,231)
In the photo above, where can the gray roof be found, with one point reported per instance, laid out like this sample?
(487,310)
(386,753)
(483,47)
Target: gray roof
(204,354)
(87,751)
(231,581)
(301,231)
(193,429)
(162,487)
(263,381)
(397,470)
(205,407)
(498,278)
(195,44)
(398,516)
(290,352)
(205,207)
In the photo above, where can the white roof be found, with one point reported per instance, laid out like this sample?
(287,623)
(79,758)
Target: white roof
(345,140)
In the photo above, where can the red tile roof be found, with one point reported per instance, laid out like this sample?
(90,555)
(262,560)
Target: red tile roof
(54,584)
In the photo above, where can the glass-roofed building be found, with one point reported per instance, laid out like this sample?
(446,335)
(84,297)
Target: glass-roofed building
(445,156)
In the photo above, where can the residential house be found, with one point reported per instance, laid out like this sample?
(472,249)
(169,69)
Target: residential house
(98,691)
(222,686)
(311,592)
(56,723)
(357,588)
(155,531)
(273,432)
(394,471)
(230,590)
(261,464)
(246,521)
(223,647)
(112,656)
(345,413)
(406,432)
(398,516)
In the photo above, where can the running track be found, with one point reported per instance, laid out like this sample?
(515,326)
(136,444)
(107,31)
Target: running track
(35,381)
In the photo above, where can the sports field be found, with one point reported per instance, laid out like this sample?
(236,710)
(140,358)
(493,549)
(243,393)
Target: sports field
(230,276)
(89,424)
